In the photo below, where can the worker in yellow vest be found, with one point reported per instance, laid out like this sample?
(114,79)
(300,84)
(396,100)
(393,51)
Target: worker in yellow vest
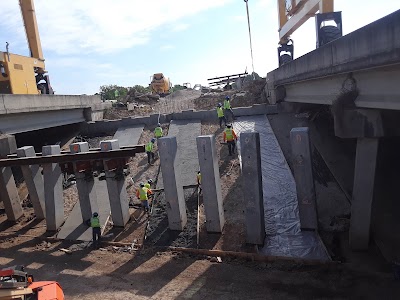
(149,151)
(198,177)
(149,183)
(158,132)
(143,193)
(96,229)
(227,108)
(231,138)
(220,114)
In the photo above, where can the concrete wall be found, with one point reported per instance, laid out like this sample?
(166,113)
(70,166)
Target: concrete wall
(110,126)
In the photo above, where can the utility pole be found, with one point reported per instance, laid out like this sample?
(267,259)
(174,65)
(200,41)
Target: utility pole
(251,46)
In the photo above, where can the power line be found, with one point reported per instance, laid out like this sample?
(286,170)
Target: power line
(251,46)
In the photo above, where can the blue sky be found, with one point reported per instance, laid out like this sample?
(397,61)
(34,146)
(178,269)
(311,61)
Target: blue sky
(88,43)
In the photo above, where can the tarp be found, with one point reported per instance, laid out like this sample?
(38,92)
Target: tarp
(282,222)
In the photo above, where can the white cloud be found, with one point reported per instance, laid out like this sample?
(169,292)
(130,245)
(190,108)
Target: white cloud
(180,27)
(103,26)
(167,47)
(239,18)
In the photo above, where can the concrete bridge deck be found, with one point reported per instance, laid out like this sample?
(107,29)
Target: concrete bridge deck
(23,113)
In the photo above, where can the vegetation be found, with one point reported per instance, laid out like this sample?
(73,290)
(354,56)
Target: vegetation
(177,87)
(115,92)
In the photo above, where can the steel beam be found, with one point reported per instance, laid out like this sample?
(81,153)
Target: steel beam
(63,158)
(298,19)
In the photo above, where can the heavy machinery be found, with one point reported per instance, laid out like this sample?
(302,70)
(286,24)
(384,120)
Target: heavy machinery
(294,13)
(160,84)
(15,283)
(22,74)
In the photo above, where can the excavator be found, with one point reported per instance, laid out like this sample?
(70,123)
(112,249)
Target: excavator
(15,283)
(22,74)
(294,13)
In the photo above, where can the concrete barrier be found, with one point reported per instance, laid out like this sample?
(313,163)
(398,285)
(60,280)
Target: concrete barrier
(110,126)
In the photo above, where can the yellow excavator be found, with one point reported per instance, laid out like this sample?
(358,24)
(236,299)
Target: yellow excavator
(22,74)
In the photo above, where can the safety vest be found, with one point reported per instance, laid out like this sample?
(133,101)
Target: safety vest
(143,193)
(95,222)
(147,185)
(220,112)
(229,134)
(158,132)
(149,147)
(199,177)
(227,104)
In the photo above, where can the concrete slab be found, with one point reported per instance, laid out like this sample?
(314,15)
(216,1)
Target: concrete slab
(8,190)
(53,192)
(363,193)
(173,188)
(252,180)
(85,183)
(128,136)
(116,186)
(74,228)
(303,174)
(282,222)
(34,182)
(186,132)
(211,185)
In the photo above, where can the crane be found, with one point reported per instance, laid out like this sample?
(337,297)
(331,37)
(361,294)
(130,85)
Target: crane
(25,74)
(294,13)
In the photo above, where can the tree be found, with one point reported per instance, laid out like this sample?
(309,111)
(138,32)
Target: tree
(141,89)
(177,87)
(108,92)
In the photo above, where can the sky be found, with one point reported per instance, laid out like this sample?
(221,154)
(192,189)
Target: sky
(89,43)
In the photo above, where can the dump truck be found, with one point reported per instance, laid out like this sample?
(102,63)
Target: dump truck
(15,283)
(160,84)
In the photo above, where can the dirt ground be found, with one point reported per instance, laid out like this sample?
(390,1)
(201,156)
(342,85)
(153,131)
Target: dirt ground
(116,272)
(93,274)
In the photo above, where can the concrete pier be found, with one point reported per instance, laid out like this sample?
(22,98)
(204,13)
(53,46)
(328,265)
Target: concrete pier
(363,191)
(84,183)
(116,186)
(303,175)
(53,190)
(211,186)
(8,190)
(170,168)
(252,180)
(34,182)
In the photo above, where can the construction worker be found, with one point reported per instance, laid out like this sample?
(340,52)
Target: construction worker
(96,230)
(149,151)
(158,132)
(199,180)
(143,193)
(228,109)
(231,138)
(221,116)
(149,183)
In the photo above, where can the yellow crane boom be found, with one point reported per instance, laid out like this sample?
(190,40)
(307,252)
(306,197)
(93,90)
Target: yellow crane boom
(22,74)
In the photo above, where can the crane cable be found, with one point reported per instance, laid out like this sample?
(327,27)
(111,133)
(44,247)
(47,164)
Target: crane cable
(251,46)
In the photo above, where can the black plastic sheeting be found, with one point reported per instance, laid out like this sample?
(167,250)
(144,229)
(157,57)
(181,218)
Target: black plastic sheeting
(282,222)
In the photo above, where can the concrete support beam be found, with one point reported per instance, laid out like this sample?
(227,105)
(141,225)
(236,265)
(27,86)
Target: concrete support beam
(302,169)
(116,186)
(211,186)
(8,190)
(53,190)
(34,182)
(85,183)
(363,191)
(173,189)
(252,180)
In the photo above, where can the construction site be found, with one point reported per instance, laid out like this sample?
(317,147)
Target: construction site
(276,187)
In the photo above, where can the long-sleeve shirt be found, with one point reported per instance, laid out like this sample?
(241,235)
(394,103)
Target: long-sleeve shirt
(229,135)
